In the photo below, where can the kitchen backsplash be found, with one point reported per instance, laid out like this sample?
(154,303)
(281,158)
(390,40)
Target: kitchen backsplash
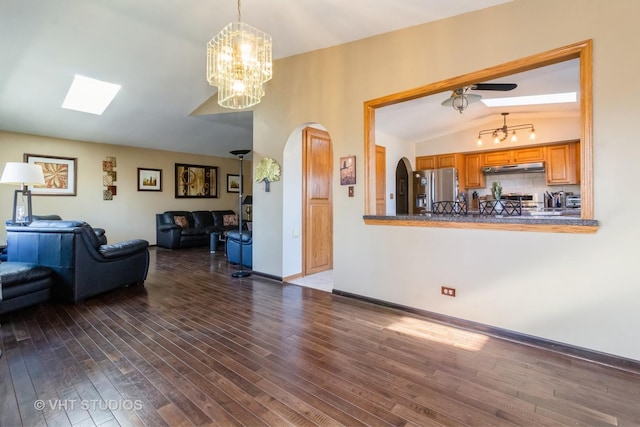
(524,183)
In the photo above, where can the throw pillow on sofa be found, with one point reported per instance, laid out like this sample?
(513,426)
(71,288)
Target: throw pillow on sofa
(228,220)
(181,221)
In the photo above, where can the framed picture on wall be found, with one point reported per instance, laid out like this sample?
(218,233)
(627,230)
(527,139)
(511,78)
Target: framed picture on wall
(348,170)
(59,175)
(196,181)
(149,179)
(233,183)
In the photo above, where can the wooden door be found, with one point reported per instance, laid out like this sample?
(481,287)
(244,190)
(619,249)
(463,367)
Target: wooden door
(381,179)
(317,202)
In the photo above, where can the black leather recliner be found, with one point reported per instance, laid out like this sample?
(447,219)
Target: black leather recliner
(82,266)
(102,237)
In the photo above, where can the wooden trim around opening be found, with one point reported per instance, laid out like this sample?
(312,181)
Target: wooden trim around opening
(582,50)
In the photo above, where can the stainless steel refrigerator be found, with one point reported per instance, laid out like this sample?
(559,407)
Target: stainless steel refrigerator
(434,185)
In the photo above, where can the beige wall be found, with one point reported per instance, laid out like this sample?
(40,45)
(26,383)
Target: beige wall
(578,289)
(131,213)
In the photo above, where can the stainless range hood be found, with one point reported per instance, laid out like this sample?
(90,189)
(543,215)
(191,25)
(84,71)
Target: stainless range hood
(521,168)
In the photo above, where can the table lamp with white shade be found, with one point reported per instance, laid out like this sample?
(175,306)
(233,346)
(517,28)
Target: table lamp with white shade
(22,174)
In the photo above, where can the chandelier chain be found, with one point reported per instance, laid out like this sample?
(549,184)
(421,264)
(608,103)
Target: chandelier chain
(239,14)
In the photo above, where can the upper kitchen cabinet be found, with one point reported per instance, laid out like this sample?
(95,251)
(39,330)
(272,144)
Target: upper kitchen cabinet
(450,160)
(516,156)
(497,158)
(528,155)
(455,160)
(563,164)
(426,162)
(474,178)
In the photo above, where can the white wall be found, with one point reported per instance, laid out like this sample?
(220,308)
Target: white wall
(577,289)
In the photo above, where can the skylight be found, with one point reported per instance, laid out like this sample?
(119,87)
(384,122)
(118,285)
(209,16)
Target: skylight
(552,98)
(90,95)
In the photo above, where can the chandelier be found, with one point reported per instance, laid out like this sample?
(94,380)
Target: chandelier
(500,134)
(238,64)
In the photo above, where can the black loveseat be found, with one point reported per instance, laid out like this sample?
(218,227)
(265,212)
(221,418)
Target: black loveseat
(82,267)
(196,228)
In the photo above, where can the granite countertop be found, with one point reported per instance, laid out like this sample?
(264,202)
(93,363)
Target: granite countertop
(475,217)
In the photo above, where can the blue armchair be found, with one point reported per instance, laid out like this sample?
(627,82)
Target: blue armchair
(82,266)
(233,248)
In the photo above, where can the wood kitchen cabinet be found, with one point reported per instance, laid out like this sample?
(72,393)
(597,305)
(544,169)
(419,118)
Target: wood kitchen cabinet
(426,162)
(497,158)
(528,155)
(451,160)
(563,164)
(474,178)
(516,156)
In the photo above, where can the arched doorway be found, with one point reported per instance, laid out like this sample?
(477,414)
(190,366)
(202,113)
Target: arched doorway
(404,189)
(296,232)
(403,180)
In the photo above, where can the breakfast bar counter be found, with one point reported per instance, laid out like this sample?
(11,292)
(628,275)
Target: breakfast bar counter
(540,223)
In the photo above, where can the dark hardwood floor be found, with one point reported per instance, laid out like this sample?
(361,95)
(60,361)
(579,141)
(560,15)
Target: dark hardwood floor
(195,346)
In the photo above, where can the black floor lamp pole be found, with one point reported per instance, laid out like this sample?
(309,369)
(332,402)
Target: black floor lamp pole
(242,272)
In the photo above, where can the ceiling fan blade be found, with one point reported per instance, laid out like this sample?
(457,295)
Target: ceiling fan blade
(495,86)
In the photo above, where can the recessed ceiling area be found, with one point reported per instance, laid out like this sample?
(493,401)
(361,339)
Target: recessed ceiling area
(156,50)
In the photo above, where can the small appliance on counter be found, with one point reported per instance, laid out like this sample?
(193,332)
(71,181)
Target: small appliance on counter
(573,201)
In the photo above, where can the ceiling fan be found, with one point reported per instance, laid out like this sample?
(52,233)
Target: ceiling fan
(460,98)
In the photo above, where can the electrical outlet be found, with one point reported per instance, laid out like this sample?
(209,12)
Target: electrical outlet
(450,292)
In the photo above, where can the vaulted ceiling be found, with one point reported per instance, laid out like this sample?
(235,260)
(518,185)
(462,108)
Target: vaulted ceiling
(156,51)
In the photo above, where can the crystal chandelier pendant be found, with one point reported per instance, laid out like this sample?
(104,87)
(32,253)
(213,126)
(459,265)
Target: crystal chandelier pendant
(239,63)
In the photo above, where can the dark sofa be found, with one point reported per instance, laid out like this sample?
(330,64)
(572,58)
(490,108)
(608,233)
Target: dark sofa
(23,284)
(200,225)
(82,267)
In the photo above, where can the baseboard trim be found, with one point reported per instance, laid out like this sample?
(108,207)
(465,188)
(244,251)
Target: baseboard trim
(268,276)
(605,359)
(293,277)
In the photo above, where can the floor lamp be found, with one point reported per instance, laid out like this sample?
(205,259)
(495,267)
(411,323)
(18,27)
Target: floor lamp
(242,272)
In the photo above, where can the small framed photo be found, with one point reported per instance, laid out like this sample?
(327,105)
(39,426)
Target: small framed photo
(348,170)
(149,179)
(233,183)
(59,175)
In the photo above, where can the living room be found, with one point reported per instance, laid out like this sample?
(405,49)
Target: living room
(578,290)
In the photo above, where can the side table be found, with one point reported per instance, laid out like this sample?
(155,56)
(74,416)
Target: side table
(213,242)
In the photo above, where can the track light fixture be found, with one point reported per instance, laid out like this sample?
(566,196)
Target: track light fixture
(500,134)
